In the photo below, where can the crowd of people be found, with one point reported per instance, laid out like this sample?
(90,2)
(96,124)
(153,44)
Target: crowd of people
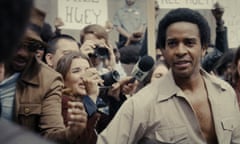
(56,89)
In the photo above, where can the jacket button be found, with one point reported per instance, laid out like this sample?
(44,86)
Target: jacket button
(26,110)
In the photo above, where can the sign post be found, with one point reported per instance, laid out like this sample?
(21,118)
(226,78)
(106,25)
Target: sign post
(151,29)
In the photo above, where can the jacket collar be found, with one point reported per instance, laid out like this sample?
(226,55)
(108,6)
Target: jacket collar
(167,87)
(30,74)
(216,81)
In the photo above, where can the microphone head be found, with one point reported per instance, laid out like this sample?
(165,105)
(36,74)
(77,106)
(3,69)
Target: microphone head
(146,63)
(142,68)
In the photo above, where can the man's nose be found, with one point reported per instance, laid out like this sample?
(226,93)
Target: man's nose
(22,51)
(181,49)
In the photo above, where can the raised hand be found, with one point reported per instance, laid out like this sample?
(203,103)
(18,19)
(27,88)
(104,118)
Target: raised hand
(77,117)
(91,80)
(218,12)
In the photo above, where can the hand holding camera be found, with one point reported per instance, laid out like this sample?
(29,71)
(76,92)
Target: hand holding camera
(87,47)
(98,49)
(100,52)
(92,48)
(110,80)
(92,80)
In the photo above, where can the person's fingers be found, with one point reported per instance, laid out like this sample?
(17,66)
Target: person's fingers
(115,86)
(76,114)
(73,104)
(125,80)
(95,79)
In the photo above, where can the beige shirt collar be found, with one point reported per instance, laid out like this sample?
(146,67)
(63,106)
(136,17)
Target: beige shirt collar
(170,88)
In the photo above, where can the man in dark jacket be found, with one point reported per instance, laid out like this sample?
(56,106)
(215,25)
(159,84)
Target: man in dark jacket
(221,43)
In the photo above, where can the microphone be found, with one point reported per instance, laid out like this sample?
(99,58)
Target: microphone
(142,68)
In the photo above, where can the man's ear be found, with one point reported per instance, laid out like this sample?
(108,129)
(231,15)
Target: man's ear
(204,50)
(163,51)
(49,59)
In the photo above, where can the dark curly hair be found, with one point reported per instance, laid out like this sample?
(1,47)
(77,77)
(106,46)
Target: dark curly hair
(183,15)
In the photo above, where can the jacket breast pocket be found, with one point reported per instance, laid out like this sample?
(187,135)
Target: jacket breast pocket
(228,124)
(29,115)
(173,135)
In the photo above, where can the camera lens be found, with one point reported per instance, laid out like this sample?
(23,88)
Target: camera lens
(101,52)
(110,78)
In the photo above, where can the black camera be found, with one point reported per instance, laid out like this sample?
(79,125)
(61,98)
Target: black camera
(101,52)
(110,78)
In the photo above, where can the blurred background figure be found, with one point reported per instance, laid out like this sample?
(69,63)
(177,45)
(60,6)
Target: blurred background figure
(35,28)
(95,45)
(108,26)
(130,24)
(58,46)
(47,33)
(129,57)
(217,50)
(223,67)
(118,66)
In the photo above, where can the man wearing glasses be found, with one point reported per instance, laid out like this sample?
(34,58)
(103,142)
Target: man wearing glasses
(31,95)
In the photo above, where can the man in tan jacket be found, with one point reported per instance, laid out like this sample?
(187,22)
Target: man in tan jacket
(185,106)
(31,95)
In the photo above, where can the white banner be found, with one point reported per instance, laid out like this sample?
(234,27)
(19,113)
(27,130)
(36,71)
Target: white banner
(193,4)
(77,14)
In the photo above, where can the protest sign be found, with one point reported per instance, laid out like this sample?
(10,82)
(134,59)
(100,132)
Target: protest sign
(76,14)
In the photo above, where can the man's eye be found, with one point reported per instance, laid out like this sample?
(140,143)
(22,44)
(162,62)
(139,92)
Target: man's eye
(77,70)
(66,52)
(190,43)
(171,43)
